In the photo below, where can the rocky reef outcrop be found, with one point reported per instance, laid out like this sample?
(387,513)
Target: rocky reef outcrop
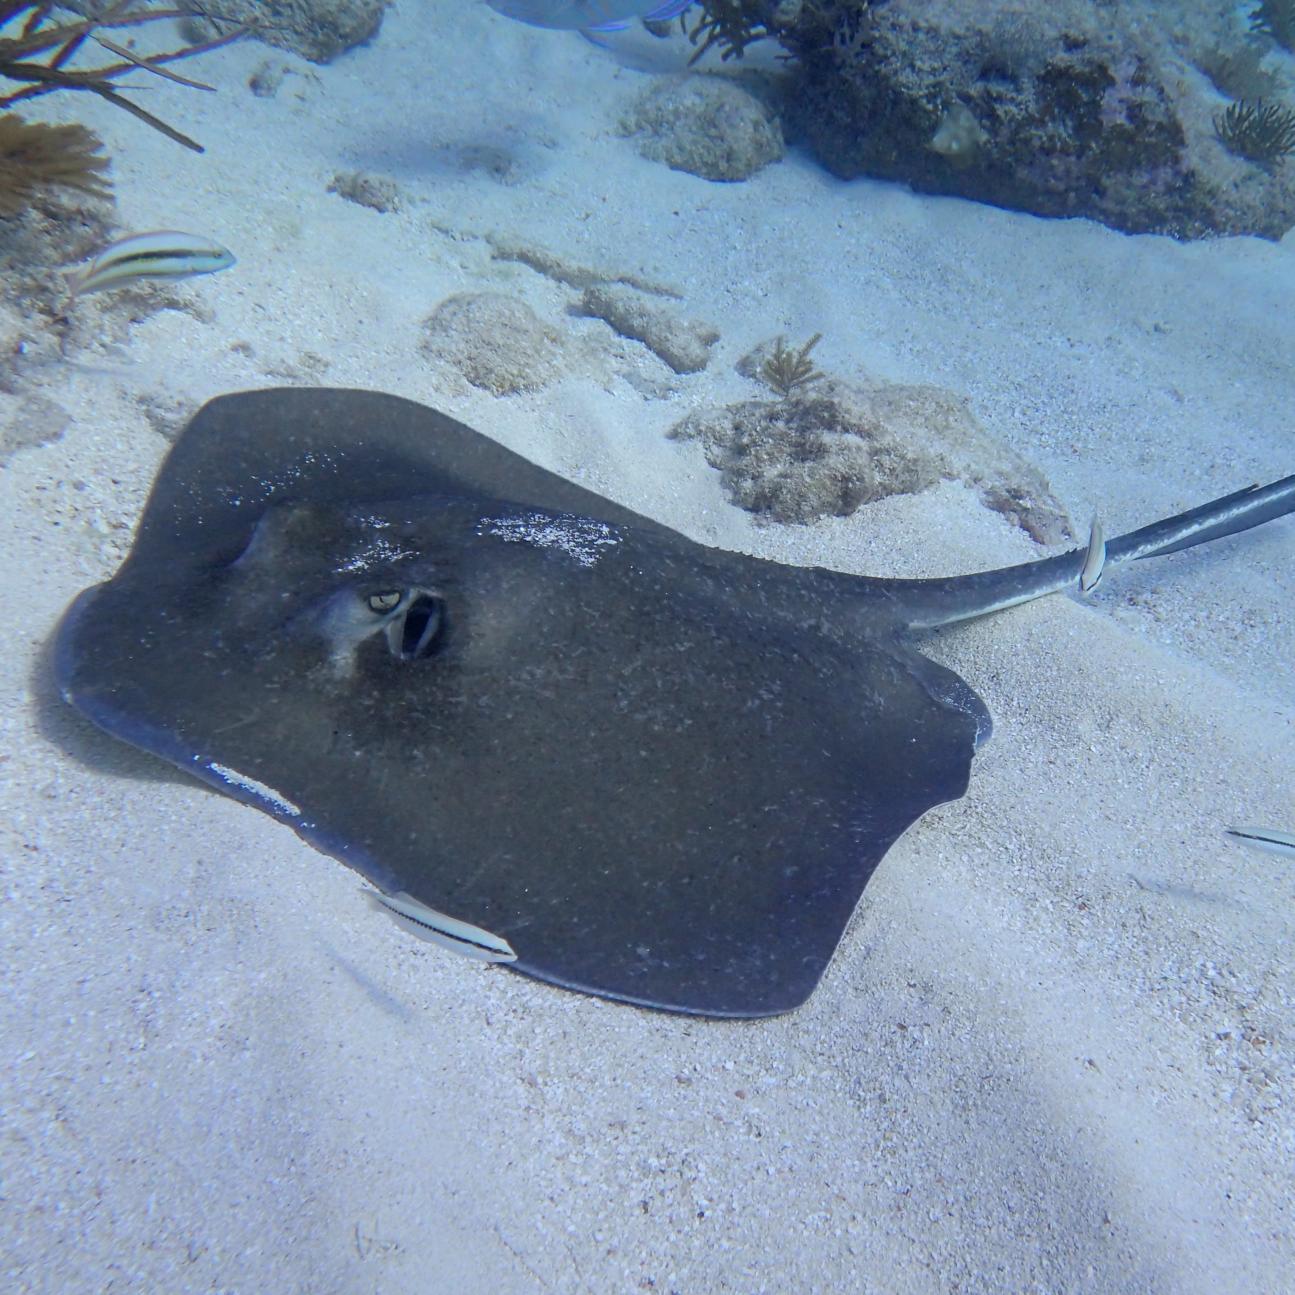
(1104,110)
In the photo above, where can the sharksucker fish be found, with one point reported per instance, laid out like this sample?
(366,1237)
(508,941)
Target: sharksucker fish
(1271,840)
(549,731)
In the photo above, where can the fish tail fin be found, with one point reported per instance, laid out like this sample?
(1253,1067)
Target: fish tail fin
(74,278)
(925,604)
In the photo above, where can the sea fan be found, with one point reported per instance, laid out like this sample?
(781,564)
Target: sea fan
(34,156)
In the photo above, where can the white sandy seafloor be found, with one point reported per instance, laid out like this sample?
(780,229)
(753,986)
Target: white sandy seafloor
(1055,1050)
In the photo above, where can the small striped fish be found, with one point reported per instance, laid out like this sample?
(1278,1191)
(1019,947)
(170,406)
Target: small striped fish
(162,254)
(438,928)
(1094,559)
(1268,839)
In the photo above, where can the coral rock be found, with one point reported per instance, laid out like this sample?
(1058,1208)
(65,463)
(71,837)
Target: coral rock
(319,30)
(705,125)
(826,454)
(495,342)
(682,343)
(1066,109)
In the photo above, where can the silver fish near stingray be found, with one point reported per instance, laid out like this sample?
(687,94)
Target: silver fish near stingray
(1268,839)
(588,15)
(159,254)
(1090,574)
(549,729)
(437,928)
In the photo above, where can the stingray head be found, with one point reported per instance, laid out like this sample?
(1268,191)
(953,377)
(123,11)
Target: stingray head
(343,579)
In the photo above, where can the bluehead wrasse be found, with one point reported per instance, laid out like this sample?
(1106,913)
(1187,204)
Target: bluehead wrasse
(1094,560)
(436,928)
(1268,839)
(161,254)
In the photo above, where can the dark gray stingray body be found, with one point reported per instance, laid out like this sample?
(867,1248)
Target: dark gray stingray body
(661,772)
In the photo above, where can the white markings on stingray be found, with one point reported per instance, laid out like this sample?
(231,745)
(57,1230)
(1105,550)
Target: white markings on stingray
(377,550)
(438,928)
(258,789)
(580,538)
(289,475)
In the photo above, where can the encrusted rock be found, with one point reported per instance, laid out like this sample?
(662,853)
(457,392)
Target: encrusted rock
(379,192)
(683,344)
(705,125)
(828,452)
(1064,109)
(319,30)
(36,325)
(496,343)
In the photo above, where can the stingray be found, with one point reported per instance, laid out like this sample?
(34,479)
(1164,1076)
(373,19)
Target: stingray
(548,730)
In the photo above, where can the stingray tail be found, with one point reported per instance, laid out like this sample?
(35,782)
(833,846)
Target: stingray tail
(925,604)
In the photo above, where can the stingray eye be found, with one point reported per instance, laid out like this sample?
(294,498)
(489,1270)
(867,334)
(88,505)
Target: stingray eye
(385,601)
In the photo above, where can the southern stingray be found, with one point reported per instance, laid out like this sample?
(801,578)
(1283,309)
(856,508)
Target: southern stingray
(547,729)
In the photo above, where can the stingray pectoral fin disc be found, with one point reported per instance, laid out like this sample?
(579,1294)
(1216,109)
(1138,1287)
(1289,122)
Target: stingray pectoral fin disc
(645,769)
(681,817)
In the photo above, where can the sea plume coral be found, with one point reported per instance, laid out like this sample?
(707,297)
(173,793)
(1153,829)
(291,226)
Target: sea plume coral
(1262,133)
(786,370)
(34,156)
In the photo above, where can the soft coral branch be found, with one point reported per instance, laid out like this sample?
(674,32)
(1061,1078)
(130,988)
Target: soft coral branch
(21,56)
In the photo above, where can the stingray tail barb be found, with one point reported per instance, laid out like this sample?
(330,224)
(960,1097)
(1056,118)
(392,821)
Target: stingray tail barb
(925,604)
